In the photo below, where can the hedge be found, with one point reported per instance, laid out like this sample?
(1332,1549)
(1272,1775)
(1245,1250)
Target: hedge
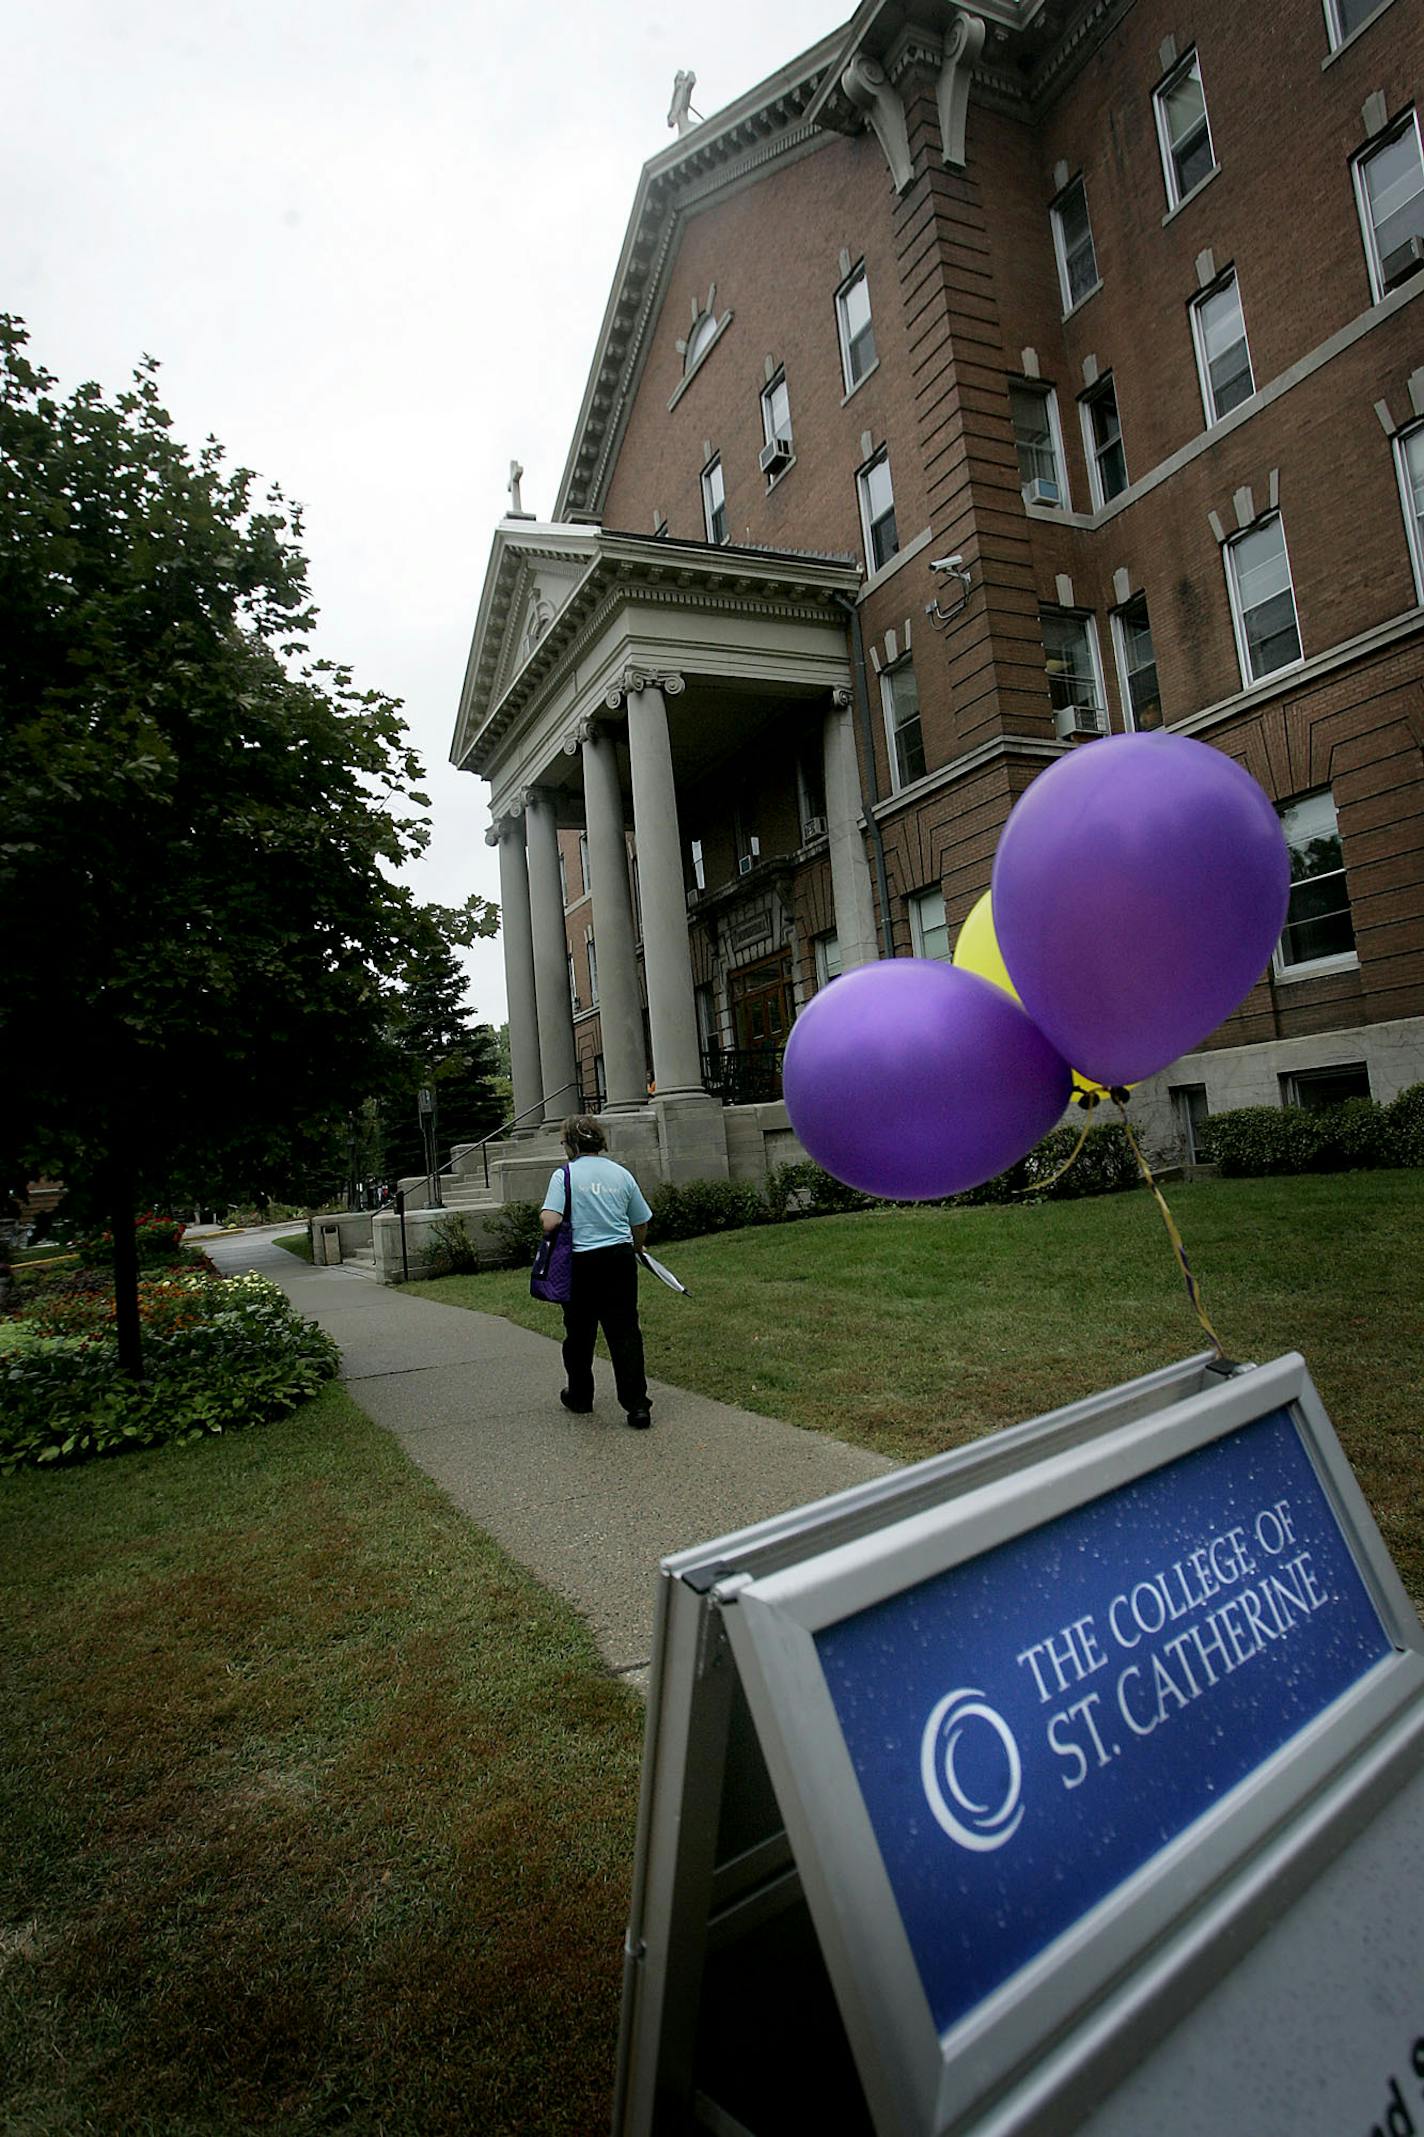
(1356,1135)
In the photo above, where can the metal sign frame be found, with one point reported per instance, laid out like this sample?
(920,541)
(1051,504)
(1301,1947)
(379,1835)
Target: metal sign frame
(738,1617)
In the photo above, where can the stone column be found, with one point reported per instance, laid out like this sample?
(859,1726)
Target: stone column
(524,1071)
(558,1067)
(850,871)
(672,1013)
(625,1067)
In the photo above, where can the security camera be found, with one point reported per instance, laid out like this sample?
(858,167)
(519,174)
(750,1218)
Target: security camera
(947,564)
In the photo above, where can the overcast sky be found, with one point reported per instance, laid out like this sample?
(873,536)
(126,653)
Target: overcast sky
(370,246)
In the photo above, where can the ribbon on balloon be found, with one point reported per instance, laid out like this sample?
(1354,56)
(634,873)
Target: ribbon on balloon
(1139,888)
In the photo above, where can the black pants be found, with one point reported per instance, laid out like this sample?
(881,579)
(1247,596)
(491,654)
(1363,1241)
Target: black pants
(606,1296)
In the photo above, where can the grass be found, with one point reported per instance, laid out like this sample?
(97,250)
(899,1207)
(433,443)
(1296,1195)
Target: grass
(914,1330)
(314,1810)
(298,1243)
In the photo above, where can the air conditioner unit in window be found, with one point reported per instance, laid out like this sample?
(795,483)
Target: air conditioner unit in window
(774,457)
(692,897)
(1404,261)
(1078,720)
(815,827)
(746,864)
(1039,492)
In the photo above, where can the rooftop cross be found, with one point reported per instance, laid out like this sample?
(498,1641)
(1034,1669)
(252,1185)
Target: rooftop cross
(680,112)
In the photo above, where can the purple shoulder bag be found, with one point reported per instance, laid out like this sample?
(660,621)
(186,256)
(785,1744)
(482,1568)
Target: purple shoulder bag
(552,1276)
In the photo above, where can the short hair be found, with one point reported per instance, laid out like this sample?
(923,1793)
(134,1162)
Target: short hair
(581,1135)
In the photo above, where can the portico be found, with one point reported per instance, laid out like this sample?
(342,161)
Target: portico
(613,681)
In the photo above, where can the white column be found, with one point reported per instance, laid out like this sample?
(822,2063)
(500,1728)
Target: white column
(619,1009)
(557,1064)
(850,871)
(667,963)
(524,1072)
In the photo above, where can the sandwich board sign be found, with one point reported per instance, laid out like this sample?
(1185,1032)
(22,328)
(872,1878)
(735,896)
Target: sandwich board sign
(1074,1779)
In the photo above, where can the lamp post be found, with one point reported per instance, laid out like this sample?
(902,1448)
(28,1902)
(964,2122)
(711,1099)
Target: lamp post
(425,1101)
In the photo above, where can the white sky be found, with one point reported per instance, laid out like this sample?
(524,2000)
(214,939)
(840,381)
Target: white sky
(371,247)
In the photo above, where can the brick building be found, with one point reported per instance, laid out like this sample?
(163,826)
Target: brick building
(978,384)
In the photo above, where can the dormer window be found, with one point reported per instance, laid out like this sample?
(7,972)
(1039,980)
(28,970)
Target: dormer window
(699,341)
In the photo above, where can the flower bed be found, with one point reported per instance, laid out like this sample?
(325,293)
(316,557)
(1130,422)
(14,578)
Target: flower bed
(219,1352)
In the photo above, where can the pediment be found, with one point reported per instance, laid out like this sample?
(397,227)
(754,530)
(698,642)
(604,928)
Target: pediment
(542,585)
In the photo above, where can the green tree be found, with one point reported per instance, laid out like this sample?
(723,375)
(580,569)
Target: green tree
(436,1042)
(199,822)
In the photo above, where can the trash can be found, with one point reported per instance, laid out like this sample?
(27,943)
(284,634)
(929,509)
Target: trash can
(328,1238)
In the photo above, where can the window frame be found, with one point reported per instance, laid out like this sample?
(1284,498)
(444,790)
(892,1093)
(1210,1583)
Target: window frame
(915,903)
(1118,621)
(1089,624)
(1229,280)
(1293,969)
(713,475)
(894,729)
(1413,521)
(1049,396)
(847,340)
(1374,259)
(1336,33)
(1176,194)
(1060,248)
(1324,1072)
(770,434)
(1087,402)
(1249,680)
(880,458)
(821,957)
(591,959)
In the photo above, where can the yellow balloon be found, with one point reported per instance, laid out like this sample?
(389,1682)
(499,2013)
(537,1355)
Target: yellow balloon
(977,950)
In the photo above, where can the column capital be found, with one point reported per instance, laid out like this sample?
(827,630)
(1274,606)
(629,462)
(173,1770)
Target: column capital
(586,730)
(667,680)
(535,798)
(842,696)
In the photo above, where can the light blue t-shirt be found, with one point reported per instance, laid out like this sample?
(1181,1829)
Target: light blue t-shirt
(608,1202)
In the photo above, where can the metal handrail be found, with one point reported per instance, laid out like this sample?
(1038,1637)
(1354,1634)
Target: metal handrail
(503,1129)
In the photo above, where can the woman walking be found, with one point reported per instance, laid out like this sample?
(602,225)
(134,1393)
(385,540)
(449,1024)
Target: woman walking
(610,1224)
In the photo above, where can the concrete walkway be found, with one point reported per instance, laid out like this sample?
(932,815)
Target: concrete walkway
(585,1504)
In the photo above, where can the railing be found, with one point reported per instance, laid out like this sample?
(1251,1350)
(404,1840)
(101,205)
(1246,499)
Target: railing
(513,1122)
(742,1075)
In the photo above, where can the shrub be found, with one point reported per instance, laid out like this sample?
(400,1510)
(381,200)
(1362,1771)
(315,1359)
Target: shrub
(517,1229)
(1104,1166)
(218,1354)
(699,1206)
(157,1240)
(452,1251)
(804,1190)
(1262,1140)
(1404,1126)
(1354,1136)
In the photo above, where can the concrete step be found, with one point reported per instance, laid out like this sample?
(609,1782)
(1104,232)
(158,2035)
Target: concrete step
(362,1254)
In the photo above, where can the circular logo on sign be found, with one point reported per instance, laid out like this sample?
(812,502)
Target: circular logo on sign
(974,1825)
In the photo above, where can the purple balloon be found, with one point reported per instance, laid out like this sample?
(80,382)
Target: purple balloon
(1139,888)
(914,1079)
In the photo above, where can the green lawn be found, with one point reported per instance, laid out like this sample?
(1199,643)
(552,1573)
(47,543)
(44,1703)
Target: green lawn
(298,1243)
(913,1330)
(314,1810)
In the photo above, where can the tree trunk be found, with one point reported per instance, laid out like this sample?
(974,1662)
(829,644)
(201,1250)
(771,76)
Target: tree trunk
(121,1223)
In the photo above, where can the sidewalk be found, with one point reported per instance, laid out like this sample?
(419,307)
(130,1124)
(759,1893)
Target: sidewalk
(585,1504)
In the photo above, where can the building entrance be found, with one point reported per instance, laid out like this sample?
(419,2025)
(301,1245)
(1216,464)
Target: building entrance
(762,1010)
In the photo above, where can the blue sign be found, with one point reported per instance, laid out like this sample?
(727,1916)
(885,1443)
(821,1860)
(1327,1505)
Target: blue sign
(1031,1727)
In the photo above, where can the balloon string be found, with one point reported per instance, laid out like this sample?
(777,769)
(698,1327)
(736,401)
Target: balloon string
(1193,1288)
(1036,1187)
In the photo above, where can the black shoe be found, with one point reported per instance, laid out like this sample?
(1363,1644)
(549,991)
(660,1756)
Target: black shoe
(580,1409)
(639,1420)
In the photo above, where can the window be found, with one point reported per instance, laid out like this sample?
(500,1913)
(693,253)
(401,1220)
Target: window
(1409,455)
(776,410)
(592,970)
(1223,359)
(1183,131)
(929,931)
(563,877)
(1192,1112)
(1390,184)
(1102,435)
(1040,448)
(901,697)
(828,958)
(877,511)
(1344,17)
(1262,601)
(600,1080)
(1074,687)
(1137,665)
(811,791)
(1073,243)
(1319,930)
(583,860)
(699,872)
(699,341)
(858,358)
(1313,1088)
(573,983)
(714,501)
